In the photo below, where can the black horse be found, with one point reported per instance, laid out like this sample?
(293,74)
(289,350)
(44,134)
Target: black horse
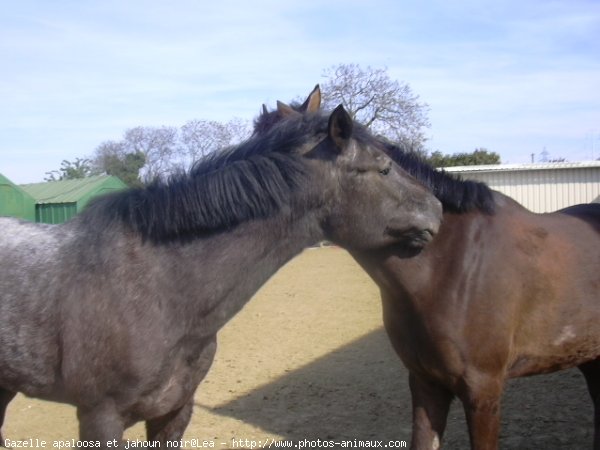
(117,310)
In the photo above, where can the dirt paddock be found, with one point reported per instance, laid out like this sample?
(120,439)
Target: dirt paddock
(307,358)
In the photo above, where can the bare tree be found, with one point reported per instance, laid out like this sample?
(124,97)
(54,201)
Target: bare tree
(147,153)
(159,147)
(200,137)
(388,107)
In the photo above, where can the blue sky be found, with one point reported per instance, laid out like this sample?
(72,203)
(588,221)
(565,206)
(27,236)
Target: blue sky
(514,77)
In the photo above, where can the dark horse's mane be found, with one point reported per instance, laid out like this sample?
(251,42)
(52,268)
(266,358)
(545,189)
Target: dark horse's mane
(457,195)
(252,180)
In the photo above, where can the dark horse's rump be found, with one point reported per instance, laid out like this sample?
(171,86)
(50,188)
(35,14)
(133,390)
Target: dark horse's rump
(116,311)
(590,212)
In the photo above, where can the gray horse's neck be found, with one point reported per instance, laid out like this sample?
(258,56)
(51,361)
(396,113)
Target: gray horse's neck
(205,282)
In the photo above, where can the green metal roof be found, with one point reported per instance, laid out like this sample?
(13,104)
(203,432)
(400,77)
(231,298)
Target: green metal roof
(6,181)
(14,201)
(70,191)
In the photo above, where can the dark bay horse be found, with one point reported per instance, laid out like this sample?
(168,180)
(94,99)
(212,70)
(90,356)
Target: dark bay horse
(117,310)
(500,292)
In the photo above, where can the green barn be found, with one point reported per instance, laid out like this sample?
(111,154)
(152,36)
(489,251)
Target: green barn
(58,201)
(14,201)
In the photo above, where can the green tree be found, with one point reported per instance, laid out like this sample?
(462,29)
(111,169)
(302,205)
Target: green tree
(80,168)
(113,158)
(479,156)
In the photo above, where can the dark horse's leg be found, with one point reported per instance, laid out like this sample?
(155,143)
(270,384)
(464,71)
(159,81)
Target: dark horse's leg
(591,371)
(171,426)
(481,397)
(430,404)
(5,398)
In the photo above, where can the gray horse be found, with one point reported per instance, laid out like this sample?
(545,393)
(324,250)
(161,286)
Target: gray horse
(116,311)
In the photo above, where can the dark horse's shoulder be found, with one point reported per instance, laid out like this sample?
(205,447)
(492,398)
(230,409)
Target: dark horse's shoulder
(590,212)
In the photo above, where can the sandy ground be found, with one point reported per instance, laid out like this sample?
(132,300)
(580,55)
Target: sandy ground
(307,358)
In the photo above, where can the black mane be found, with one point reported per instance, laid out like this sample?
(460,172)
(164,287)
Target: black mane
(457,195)
(252,180)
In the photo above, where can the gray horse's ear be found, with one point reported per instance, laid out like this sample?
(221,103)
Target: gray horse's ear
(313,101)
(285,110)
(264,109)
(340,127)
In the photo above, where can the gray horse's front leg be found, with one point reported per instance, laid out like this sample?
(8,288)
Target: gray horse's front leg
(101,423)
(5,398)
(171,426)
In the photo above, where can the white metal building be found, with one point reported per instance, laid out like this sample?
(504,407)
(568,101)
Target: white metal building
(540,187)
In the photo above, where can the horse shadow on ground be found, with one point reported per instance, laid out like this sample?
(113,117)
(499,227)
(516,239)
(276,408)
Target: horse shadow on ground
(360,391)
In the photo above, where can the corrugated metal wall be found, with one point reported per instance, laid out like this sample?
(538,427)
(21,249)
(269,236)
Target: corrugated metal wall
(544,190)
(54,212)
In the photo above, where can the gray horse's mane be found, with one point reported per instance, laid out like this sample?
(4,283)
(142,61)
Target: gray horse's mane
(252,180)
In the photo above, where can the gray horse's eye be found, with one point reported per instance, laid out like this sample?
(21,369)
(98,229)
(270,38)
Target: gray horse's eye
(387,168)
